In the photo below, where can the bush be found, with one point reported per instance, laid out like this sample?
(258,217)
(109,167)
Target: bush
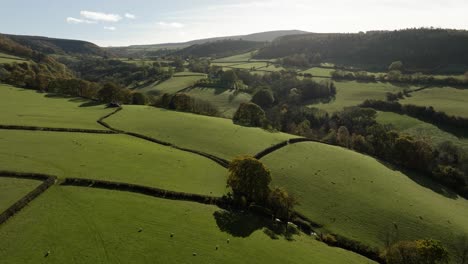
(249,114)
(264,98)
(426,251)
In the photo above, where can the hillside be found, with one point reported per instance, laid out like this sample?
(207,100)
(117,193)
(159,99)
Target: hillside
(59,46)
(151,50)
(418,49)
(220,48)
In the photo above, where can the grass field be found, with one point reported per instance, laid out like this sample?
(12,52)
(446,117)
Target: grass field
(240,57)
(352,93)
(225,100)
(419,129)
(110,157)
(447,99)
(185,73)
(359,197)
(12,189)
(101,226)
(317,71)
(6,59)
(27,107)
(173,85)
(217,136)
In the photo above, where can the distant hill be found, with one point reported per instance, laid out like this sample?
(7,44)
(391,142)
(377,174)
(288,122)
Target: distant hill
(58,46)
(418,49)
(156,49)
(220,48)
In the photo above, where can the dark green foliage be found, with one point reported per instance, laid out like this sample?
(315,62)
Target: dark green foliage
(417,48)
(113,93)
(249,114)
(185,103)
(264,98)
(59,46)
(221,48)
(249,178)
(139,99)
(281,203)
(425,251)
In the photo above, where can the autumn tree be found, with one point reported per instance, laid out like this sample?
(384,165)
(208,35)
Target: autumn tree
(281,203)
(249,178)
(426,251)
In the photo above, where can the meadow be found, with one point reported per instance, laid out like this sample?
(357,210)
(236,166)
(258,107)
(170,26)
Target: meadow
(216,136)
(118,158)
(353,93)
(30,108)
(13,189)
(361,198)
(450,100)
(419,129)
(7,59)
(173,85)
(101,226)
(225,100)
(318,71)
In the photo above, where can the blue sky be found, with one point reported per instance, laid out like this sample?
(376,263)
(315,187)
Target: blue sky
(118,23)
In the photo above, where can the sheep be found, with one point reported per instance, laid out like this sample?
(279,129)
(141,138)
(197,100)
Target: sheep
(140,230)
(47,254)
(278,220)
(228,240)
(217,246)
(194,254)
(172,234)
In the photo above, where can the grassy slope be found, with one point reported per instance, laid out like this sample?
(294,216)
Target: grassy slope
(419,128)
(100,226)
(110,157)
(240,57)
(317,71)
(7,59)
(27,107)
(450,100)
(217,136)
(363,199)
(172,85)
(225,100)
(352,93)
(12,189)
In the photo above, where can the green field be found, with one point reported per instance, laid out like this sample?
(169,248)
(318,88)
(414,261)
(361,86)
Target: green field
(99,226)
(317,71)
(13,189)
(30,108)
(173,85)
(6,59)
(359,197)
(240,57)
(352,93)
(225,64)
(447,99)
(185,73)
(110,157)
(216,136)
(419,129)
(225,100)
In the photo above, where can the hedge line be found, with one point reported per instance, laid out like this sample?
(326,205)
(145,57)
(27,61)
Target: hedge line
(57,129)
(17,206)
(151,191)
(283,144)
(218,160)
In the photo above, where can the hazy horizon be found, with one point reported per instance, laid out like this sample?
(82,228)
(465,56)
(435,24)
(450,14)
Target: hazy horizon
(154,22)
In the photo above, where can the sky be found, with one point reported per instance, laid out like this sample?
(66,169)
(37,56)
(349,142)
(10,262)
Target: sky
(132,22)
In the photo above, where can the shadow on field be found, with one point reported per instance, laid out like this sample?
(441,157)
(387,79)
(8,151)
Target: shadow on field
(243,224)
(424,181)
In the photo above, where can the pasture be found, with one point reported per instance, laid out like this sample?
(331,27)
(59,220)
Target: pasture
(361,198)
(227,101)
(101,226)
(319,72)
(173,85)
(216,136)
(13,189)
(419,129)
(446,99)
(353,93)
(7,59)
(30,108)
(111,157)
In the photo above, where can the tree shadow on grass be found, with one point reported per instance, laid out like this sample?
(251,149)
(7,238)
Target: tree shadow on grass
(243,224)
(424,181)
(90,103)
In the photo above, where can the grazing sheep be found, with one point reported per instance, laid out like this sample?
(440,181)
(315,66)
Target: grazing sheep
(228,241)
(194,254)
(278,220)
(172,234)
(47,254)
(140,230)
(217,247)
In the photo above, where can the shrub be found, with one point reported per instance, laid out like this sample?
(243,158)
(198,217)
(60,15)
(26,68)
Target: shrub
(249,114)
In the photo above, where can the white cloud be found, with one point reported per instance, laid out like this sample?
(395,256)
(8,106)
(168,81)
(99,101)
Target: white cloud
(72,20)
(130,16)
(167,25)
(98,16)
(110,28)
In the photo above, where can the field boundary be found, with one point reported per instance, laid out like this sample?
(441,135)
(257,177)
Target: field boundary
(47,181)
(224,163)
(283,144)
(141,189)
(56,129)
